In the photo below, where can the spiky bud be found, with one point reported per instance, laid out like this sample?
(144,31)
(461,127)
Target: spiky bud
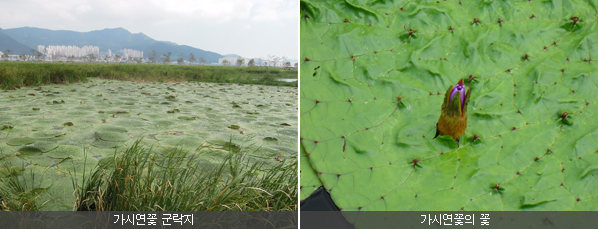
(453,117)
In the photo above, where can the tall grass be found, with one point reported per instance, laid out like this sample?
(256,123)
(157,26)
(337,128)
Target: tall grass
(139,181)
(16,193)
(19,74)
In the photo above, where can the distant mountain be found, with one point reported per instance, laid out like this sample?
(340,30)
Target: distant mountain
(232,55)
(15,47)
(113,39)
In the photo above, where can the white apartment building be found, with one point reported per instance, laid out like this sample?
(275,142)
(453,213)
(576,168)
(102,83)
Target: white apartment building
(62,50)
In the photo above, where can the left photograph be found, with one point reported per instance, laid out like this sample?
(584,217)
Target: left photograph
(162,106)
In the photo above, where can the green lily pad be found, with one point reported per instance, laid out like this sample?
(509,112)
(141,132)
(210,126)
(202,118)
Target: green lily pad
(111,128)
(186,142)
(373,80)
(112,136)
(232,147)
(55,102)
(187,117)
(270,139)
(130,123)
(43,162)
(85,138)
(29,151)
(20,141)
(47,134)
(45,146)
(64,151)
(6,149)
(106,144)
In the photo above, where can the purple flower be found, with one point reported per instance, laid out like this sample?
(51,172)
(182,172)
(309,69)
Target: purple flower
(460,87)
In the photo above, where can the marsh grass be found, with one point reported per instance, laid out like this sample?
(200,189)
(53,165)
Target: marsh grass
(140,181)
(18,193)
(137,180)
(20,74)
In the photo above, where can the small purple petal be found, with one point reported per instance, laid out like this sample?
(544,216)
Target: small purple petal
(461,89)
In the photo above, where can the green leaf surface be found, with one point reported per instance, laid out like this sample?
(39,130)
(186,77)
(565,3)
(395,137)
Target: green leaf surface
(373,79)
(20,141)
(64,151)
(112,136)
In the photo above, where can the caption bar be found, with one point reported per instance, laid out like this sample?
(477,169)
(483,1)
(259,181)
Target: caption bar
(456,219)
(151,219)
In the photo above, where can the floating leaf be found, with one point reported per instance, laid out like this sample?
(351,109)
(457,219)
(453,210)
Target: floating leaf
(110,128)
(20,141)
(232,147)
(373,78)
(64,151)
(45,146)
(106,144)
(29,151)
(187,117)
(47,134)
(112,136)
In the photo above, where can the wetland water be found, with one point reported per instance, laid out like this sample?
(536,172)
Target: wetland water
(46,131)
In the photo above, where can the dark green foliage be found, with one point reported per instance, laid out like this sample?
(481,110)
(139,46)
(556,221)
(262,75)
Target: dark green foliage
(20,74)
(17,193)
(175,181)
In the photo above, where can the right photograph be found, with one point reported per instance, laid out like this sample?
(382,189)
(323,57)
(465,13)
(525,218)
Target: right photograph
(448,106)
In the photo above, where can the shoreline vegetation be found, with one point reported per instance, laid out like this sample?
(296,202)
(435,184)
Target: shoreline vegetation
(14,75)
(136,180)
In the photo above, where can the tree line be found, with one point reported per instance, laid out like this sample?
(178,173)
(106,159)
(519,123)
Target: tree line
(153,58)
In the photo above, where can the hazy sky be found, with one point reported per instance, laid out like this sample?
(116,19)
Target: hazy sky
(250,28)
